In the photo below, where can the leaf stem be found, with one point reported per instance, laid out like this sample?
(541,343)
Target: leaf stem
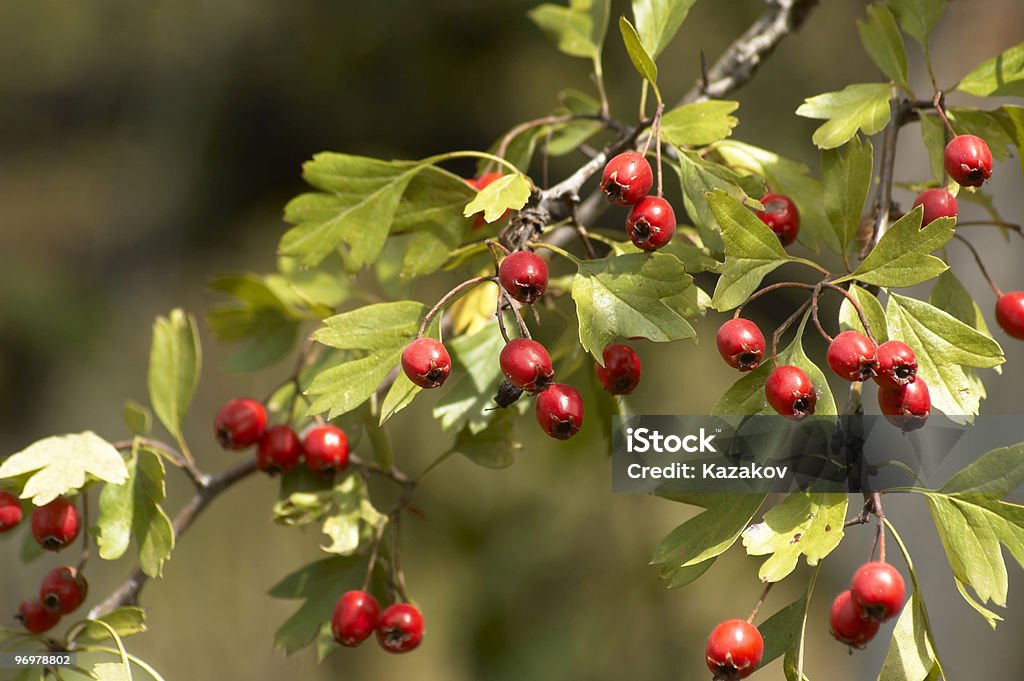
(433,160)
(555,249)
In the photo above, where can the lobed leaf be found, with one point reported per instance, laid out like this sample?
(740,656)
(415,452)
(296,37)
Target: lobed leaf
(804,524)
(1000,76)
(862,106)
(700,123)
(882,41)
(903,255)
(509,192)
(64,463)
(873,312)
(918,18)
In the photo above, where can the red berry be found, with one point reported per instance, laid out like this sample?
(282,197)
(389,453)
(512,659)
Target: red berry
(852,356)
(1010,313)
(620,374)
(790,392)
(426,362)
(847,624)
(897,364)
(279,450)
(627,178)
(10,511)
(400,629)
(56,524)
(559,411)
(878,590)
(240,423)
(781,216)
(63,590)
(906,406)
(734,650)
(524,275)
(35,618)
(326,449)
(651,223)
(741,344)
(355,618)
(478,184)
(968,160)
(938,203)
(526,364)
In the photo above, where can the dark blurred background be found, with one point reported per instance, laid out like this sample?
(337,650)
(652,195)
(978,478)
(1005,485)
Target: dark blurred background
(145,146)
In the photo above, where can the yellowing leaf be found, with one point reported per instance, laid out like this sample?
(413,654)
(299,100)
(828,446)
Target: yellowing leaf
(63,464)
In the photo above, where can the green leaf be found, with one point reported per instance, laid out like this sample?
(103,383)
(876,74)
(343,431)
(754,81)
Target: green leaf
(658,21)
(350,514)
(910,656)
(355,212)
(990,617)
(781,631)
(380,331)
(698,177)
(994,474)
(175,361)
(111,671)
(862,106)
(943,345)
(751,251)
(918,17)
(873,311)
(469,403)
(493,447)
(137,417)
(133,511)
(126,621)
(400,395)
(642,61)
(319,585)
(846,179)
(884,44)
(949,295)
(710,533)
(429,223)
(903,254)
(1000,76)
(681,576)
(624,296)
(789,178)
(64,463)
(1013,123)
(510,192)
(746,396)
(267,335)
(577,30)
(933,134)
(699,124)
(805,524)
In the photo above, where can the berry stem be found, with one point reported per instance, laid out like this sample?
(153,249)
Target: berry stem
(447,298)
(582,231)
(981,264)
(782,329)
(768,289)
(814,315)
(85,535)
(856,306)
(555,249)
(524,330)
(993,223)
(940,109)
(374,553)
(760,602)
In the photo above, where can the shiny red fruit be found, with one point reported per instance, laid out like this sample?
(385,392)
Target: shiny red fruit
(356,615)
(620,374)
(526,364)
(426,362)
(559,411)
(790,392)
(878,590)
(10,511)
(326,449)
(56,524)
(400,629)
(1010,313)
(851,355)
(897,364)
(781,216)
(968,160)
(279,450)
(651,223)
(906,406)
(524,276)
(63,590)
(627,178)
(741,344)
(734,650)
(240,423)
(938,203)
(847,625)
(35,618)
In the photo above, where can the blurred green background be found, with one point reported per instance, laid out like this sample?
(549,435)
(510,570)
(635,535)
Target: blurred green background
(145,146)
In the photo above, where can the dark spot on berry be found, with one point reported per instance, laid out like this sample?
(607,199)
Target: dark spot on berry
(749,360)
(642,230)
(975,177)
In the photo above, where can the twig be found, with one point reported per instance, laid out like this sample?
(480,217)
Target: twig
(876,502)
(981,264)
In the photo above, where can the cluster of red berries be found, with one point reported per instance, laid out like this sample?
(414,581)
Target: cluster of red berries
(242,423)
(876,594)
(734,650)
(63,590)
(902,396)
(54,525)
(357,614)
(626,181)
